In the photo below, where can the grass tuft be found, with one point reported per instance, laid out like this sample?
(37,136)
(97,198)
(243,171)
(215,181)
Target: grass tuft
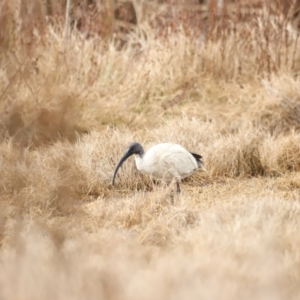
(218,77)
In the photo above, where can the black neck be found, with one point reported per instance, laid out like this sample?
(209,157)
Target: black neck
(141,152)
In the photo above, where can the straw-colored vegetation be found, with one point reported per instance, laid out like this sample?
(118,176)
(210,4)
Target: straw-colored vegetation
(221,80)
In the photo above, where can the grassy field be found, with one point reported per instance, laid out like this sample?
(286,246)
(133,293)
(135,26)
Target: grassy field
(223,81)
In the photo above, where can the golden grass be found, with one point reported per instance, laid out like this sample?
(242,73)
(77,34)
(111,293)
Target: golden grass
(71,104)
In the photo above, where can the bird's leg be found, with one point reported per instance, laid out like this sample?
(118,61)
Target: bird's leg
(171,190)
(172,198)
(178,190)
(175,195)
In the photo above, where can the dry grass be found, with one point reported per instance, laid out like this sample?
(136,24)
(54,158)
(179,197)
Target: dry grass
(223,83)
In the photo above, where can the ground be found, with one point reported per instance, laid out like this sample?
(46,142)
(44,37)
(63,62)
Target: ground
(70,106)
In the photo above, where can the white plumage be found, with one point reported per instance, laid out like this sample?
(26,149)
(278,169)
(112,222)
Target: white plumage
(164,161)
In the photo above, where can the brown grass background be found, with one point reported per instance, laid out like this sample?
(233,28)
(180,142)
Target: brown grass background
(220,78)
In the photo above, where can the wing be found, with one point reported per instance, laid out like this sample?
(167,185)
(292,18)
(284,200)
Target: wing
(178,162)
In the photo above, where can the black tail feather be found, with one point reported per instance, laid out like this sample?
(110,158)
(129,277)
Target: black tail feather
(197,157)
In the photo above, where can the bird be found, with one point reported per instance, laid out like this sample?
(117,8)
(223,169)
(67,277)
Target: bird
(166,161)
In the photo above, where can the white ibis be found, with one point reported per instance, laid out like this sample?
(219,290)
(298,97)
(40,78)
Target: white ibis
(165,161)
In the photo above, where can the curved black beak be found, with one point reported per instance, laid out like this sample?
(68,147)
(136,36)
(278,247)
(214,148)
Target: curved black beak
(127,154)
